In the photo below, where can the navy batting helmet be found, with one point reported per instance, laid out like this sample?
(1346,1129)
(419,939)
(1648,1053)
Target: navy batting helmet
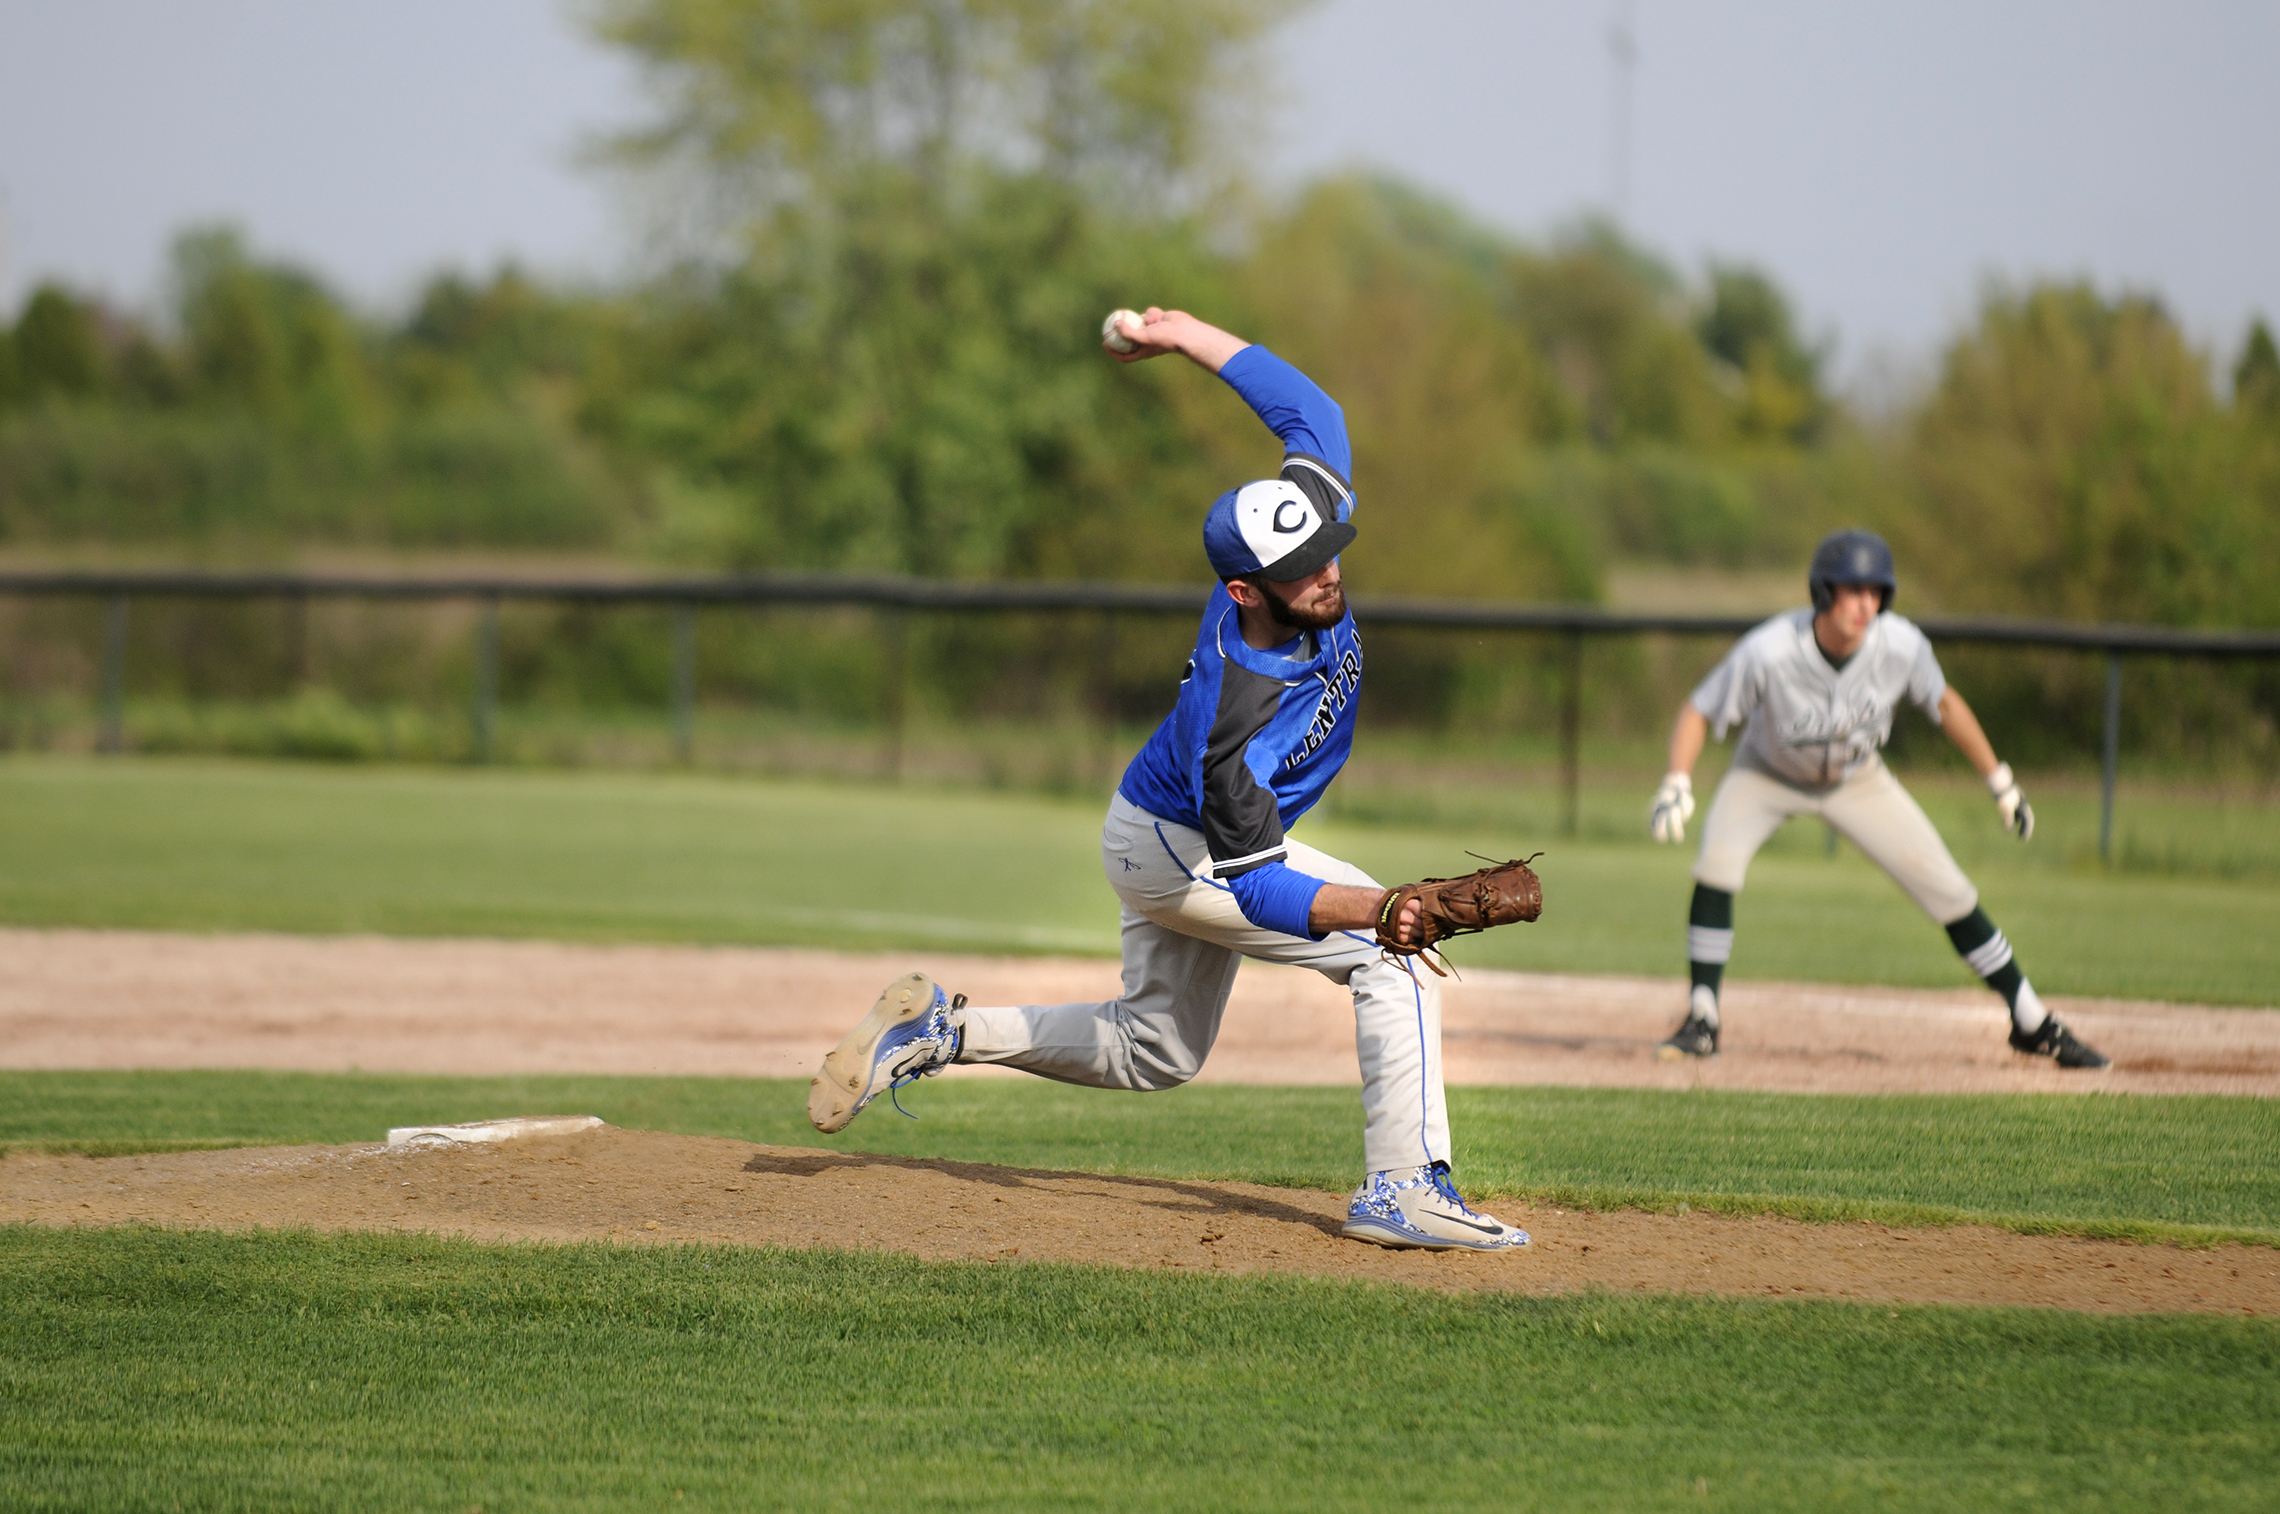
(1850,557)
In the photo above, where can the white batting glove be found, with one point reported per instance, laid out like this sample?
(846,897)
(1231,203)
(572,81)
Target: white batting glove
(1674,806)
(2010,803)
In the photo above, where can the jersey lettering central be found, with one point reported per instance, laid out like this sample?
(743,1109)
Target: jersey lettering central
(1253,741)
(1805,722)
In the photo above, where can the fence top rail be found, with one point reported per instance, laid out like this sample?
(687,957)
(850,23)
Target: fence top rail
(946,594)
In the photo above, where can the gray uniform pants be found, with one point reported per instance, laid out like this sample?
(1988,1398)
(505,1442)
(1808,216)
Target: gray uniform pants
(1870,809)
(1183,938)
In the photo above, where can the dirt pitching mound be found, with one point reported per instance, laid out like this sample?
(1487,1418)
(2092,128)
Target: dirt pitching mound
(71,998)
(628,1186)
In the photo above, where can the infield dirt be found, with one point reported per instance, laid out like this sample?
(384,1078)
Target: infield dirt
(633,1187)
(120,999)
(92,999)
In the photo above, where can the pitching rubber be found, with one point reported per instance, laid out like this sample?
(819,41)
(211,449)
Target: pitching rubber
(838,1091)
(490,1132)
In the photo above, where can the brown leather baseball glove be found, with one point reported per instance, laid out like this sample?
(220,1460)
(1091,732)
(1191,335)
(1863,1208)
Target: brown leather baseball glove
(1500,894)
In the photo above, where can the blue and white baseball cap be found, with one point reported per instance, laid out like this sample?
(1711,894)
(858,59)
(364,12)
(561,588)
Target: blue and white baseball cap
(1271,527)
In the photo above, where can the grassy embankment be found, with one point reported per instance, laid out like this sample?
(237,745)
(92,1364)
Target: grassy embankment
(216,845)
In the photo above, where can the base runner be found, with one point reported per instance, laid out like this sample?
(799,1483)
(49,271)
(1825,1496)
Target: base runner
(1195,844)
(1814,692)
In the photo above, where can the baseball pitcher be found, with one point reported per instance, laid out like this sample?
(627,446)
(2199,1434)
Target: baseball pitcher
(1814,692)
(1196,845)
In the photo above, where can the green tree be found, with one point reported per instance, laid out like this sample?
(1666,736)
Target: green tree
(1402,309)
(2074,462)
(938,200)
(785,100)
(1747,326)
(57,348)
(2256,377)
(268,340)
(1609,321)
(905,396)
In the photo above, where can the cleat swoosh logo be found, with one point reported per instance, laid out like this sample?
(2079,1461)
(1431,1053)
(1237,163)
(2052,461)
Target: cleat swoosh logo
(1487,1228)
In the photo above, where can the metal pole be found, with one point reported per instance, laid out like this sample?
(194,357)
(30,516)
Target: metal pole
(111,734)
(1623,51)
(684,683)
(486,677)
(2113,756)
(1571,727)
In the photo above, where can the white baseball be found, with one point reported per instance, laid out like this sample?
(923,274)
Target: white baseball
(1111,331)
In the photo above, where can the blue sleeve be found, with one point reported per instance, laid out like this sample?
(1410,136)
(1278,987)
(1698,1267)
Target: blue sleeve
(1276,897)
(1292,406)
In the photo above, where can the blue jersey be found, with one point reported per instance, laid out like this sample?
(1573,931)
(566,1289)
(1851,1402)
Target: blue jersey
(1257,736)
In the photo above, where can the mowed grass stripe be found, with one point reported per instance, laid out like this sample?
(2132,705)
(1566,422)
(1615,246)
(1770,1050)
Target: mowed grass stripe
(2188,1169)
(197,845)
(148,1368)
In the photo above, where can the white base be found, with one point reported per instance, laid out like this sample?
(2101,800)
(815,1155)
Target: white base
(486,1132)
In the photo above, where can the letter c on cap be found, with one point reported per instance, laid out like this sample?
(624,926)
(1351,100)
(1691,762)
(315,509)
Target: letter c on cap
(1304,514)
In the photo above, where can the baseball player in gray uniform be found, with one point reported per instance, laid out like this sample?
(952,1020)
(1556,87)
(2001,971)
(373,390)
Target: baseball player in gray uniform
(1814,692)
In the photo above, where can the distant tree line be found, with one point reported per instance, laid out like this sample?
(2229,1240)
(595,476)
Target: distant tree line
(903,221)
(928,204)
(1522,416)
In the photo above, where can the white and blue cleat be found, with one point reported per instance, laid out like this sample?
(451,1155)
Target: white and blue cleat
(908,1035)
(1420,1207)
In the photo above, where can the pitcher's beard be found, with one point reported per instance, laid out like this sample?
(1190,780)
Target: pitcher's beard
(1326,611)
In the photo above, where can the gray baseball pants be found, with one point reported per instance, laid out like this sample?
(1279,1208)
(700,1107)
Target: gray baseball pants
(1183,939)
(1870,809)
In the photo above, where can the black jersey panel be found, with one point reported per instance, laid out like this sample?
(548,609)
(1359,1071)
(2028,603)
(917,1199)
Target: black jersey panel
(1333,497)
(1240,822)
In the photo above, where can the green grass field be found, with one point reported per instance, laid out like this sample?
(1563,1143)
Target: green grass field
(147,1369)
(2178,1168)
(212,846)
(144,1369)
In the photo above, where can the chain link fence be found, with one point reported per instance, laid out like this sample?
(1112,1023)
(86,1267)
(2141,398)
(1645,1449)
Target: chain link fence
(894,603)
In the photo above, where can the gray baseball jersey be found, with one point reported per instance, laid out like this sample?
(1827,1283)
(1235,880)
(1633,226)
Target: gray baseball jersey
(1805,722)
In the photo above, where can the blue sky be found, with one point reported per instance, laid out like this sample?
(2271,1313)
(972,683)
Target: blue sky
(1881,160)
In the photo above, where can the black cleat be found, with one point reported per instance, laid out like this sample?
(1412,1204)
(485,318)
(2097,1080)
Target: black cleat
(2055,1041)
(1696,1038)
